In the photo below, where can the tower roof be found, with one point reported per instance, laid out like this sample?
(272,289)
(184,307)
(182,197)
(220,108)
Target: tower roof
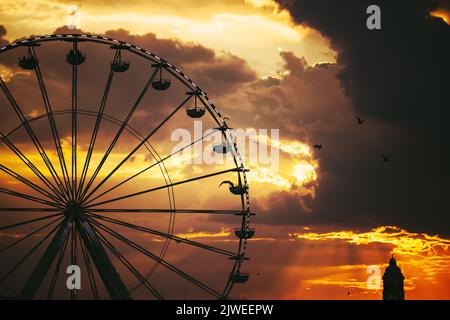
(393,271)
(392,261)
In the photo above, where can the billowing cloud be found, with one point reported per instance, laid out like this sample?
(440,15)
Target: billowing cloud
(395,78)
(261,25)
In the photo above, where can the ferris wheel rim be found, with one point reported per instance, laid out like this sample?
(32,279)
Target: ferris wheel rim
(183,78)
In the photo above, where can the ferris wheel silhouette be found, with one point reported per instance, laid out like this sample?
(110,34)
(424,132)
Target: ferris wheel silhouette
(79,215)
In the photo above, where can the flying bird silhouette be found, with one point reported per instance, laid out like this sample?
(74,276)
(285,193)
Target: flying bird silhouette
(385,158)
(359,120)
(234,189)
(317,146)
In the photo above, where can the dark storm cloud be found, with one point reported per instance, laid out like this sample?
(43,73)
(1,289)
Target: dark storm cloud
(298,103)
(396,77)
(217,74)
(396,73)
(444,5)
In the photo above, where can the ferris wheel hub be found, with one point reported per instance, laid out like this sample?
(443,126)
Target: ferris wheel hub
(75,209)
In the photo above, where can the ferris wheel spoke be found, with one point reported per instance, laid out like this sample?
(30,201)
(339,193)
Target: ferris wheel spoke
(29,221)
(151,166)
(28,197)
(57,269)
(119,133)
(88,264)
(31,134)
(154,257)
(51,119)
(139,146)
(41,269)
(28,235)
(27,182)
(60,195)
(110,278)
(95,131)
(129,266)
(28,254)
(165,235)
(73,255)
(194,211)
(74,123)
(26,210)
(163,187)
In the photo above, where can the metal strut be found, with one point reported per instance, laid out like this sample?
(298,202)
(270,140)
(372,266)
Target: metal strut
(110,277)
(118,135)
(43,266)
(32,135)
(74,125)
(51,119)
(95,133)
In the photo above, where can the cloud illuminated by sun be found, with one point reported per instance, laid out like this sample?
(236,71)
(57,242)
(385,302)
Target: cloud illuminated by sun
(7,73)
(297,170)
(404,242)
(444,15)
(304,172)
(224,232)
(429,253)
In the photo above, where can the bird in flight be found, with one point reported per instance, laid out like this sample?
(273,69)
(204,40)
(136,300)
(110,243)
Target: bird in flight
(234,189)
(317,146)
(385,158)
(359,120)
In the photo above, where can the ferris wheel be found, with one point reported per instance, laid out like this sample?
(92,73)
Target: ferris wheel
(74,192)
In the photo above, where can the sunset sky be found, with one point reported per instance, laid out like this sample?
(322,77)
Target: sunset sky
(323,216)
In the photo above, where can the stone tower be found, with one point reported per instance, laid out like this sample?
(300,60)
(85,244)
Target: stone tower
(393,282)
